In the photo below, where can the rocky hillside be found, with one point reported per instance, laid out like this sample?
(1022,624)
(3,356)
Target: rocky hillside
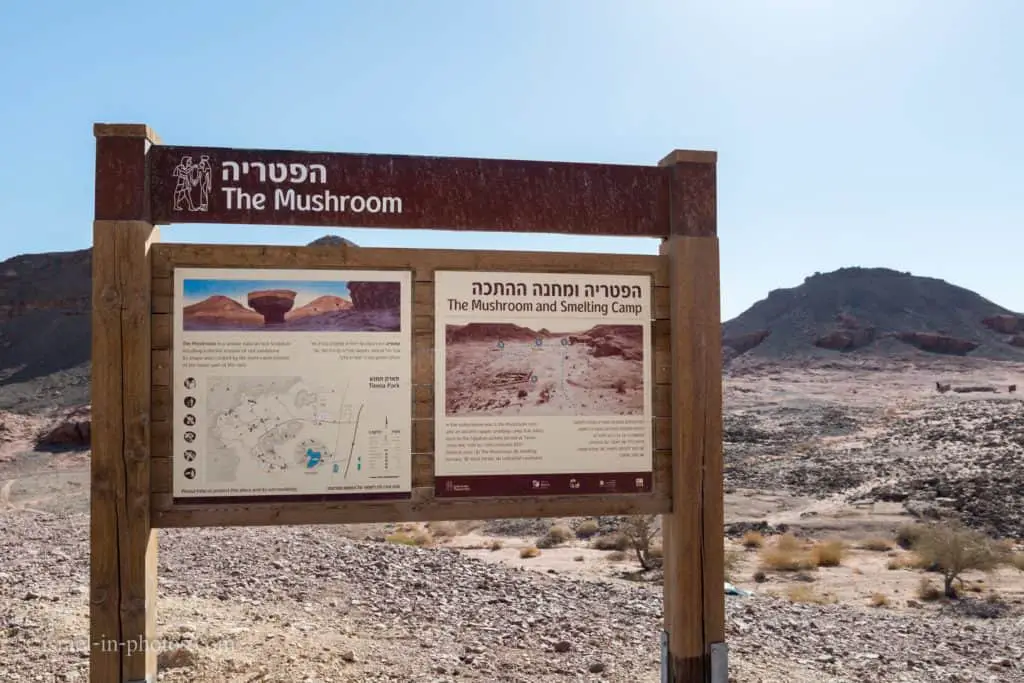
(875,311)
(45,305)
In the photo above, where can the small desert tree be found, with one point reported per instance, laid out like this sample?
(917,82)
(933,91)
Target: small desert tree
(640,531)
(951,550)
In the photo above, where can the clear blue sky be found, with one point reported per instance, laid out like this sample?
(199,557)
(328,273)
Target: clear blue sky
(872,133)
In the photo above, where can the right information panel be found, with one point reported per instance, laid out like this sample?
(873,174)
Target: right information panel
(542,384)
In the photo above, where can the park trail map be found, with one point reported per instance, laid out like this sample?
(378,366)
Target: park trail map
(284,424)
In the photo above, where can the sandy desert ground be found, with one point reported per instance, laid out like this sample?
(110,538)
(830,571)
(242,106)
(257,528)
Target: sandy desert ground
(827,452)
(584,373)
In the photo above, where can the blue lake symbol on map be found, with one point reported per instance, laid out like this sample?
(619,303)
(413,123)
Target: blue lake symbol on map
(313,458)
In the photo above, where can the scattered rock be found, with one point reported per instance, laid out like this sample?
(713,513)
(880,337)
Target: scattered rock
(177,658)
(846,340)
(72,431)
(741,343)
(375,295)
(1005,324)
(937,343)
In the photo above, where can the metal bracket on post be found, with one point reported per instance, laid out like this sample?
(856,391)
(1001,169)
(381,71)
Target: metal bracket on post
(664,656)
(719,663)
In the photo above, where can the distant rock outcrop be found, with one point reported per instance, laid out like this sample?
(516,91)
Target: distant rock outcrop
(744,342)
(850,334)
(332,241)
(371,296)
(845,340)
(625,341)
(492,332)
(938,343)
(72,431)
(874,311)
(1005,324)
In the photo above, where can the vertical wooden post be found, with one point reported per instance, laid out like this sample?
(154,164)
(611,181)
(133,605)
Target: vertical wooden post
(693,532)
(123,543)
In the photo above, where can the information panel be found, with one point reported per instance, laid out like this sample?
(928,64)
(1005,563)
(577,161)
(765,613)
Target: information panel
(291,384)
(542,384)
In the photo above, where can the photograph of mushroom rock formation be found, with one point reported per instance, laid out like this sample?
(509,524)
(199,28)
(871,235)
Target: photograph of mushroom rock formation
(504,369)
(291,305)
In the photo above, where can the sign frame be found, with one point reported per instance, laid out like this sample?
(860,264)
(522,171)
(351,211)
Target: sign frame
(138,181)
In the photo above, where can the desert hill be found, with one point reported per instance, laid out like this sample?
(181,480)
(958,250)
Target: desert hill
(875,311)
(220,307)
(45,338)
(327,303)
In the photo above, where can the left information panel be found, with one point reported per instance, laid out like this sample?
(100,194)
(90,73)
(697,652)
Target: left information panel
(292,385)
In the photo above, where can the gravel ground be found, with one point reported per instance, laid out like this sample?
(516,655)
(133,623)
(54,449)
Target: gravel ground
(947,457)
(307,604)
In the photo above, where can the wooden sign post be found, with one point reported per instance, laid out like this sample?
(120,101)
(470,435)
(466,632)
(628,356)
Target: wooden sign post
(422,385)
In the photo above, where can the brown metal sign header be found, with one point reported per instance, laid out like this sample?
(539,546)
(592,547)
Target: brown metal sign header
(276,187)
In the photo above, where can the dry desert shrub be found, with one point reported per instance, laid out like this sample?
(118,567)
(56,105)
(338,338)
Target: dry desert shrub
(587,529)
(443,529)
(732,560)
(753,539)
(616,542)
(876,544)
(908,534)
(951,550)
(1018,561)
(617,556)
(879,600)
(828,553)
(787,554)
(760,576)
(556,536)
(529,552)
(905,561)
(496,545)
(789,543)
(927,592)
(640,531)
(808,595)
(416,537)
